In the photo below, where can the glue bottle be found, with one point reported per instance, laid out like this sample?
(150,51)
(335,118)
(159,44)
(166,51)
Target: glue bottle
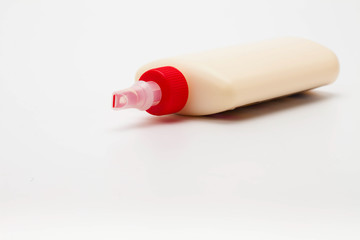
(223,79)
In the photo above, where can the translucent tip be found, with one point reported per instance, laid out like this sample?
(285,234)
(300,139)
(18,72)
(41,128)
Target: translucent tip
(142,95)
(119,101)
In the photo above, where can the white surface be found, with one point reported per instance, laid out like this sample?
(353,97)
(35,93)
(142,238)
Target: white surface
(71,168)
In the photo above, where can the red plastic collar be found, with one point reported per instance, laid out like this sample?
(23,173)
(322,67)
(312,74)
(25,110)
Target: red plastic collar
(174,89)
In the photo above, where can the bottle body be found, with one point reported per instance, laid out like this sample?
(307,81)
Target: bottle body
(226,78)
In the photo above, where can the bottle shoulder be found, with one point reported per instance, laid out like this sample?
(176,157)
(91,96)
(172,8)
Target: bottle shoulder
(209,91)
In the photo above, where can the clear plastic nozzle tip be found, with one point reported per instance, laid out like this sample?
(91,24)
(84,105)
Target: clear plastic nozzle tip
(142,95)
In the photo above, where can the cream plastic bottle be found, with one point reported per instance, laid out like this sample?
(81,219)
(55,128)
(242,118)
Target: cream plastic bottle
(218,80)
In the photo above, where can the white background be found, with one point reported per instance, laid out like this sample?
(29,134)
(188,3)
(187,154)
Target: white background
(71,168)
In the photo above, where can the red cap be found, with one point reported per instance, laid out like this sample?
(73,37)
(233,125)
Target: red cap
(174,89)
